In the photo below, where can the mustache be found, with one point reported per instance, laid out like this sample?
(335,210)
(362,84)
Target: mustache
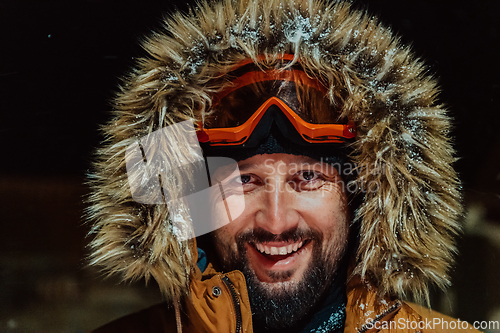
(261,235)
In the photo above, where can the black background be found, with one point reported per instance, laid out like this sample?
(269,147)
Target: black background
(60,62)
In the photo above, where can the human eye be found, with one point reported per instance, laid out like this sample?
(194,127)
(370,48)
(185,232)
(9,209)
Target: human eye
(308,180)
(309,175)
(243,179)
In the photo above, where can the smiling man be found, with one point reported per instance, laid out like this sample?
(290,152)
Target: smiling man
(290,241)
(278,166)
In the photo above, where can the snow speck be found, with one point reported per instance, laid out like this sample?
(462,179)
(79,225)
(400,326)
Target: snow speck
(299,29)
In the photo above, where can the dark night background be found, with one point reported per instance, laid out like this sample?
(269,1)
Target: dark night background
(59,65)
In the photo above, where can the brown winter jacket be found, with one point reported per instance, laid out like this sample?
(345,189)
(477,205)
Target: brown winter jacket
(207,312)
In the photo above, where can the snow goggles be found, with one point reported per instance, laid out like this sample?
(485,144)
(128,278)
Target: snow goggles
(286,96)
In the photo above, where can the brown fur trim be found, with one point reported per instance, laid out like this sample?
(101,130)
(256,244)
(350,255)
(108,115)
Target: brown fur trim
(407,225)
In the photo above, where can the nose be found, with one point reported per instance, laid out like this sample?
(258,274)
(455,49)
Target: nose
(278,211)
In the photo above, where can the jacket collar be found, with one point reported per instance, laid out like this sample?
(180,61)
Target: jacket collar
(365,308)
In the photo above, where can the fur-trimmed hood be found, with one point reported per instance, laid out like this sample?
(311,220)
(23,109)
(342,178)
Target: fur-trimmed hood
(407,225)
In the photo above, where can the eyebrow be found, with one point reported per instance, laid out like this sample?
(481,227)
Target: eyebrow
(246,166)
(303,160)
(222,172)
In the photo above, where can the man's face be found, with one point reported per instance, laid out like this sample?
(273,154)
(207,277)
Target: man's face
(291,236)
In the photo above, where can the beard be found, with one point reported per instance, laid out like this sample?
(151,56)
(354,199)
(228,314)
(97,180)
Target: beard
(282,303)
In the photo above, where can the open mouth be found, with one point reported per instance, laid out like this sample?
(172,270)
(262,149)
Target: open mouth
(279,261)
(277,251)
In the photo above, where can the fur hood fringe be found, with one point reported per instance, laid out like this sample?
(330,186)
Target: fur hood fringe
(407,225)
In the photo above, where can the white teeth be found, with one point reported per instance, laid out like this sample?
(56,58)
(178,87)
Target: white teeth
(283,250)
(260,247)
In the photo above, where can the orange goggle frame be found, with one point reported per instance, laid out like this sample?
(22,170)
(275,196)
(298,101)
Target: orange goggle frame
(310,132)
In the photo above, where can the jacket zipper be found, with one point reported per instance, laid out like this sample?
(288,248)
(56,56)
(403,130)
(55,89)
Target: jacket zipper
(236,302)
(393,308)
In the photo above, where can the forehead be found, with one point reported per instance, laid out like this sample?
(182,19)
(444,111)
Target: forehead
(265,161)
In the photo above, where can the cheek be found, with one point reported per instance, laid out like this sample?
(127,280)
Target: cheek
(224,244)
(228,215)
(219,217)
(327,212)
(227,229)
(327,208)
(225,209)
